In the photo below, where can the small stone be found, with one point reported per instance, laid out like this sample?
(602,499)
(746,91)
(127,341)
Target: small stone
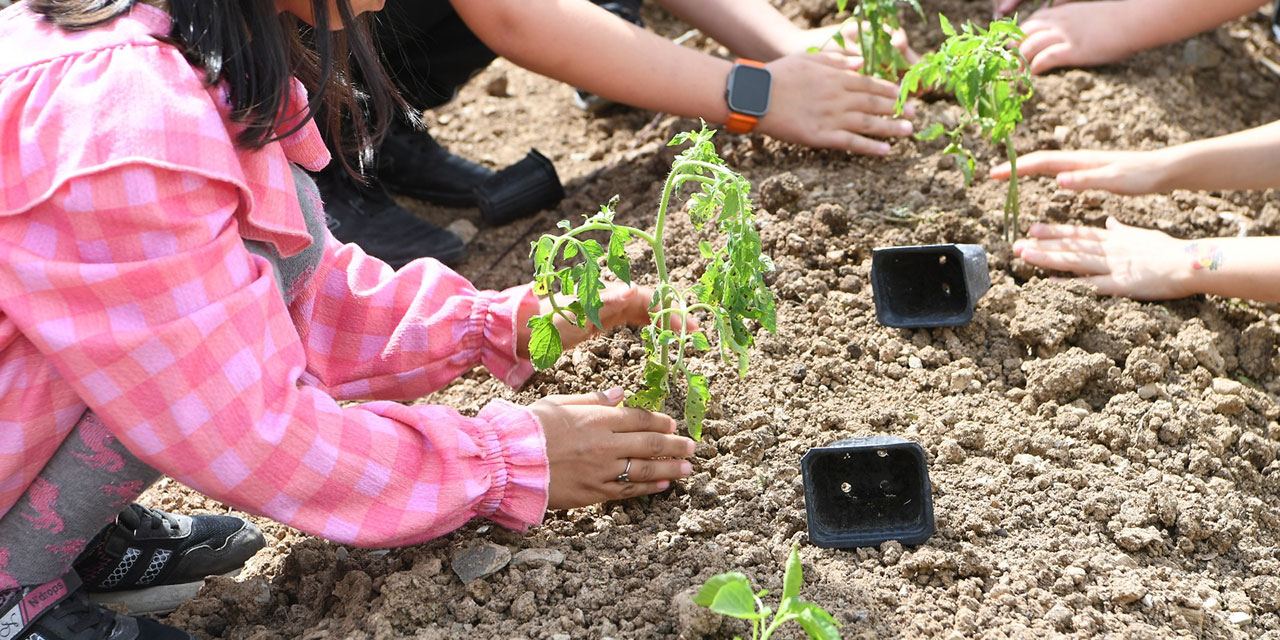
(480,560)
(537,557)
(1239,618)
(1127,589)
(1060,133)
(914,362)
(1148,391)
(1228,405)
(1199,55)
(1134,538)
(498,87)
(960,380)
(1227,387)
(464,229)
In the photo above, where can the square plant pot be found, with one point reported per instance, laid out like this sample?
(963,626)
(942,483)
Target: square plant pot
(864,491)
(928,286)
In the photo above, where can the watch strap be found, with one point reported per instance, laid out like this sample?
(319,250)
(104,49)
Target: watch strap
(741,122)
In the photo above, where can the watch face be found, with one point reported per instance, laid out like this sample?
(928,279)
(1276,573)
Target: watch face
(749,90)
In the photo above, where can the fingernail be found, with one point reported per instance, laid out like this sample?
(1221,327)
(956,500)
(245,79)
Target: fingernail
(663,484)
(910,110)
(905,128)
(882,149)
(686,468)
(614,394)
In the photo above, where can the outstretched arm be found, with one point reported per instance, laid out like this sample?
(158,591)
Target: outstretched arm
(818,100)
(1146,264)
(1247,159)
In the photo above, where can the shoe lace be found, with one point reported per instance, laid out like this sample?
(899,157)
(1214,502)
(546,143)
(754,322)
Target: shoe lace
(77,614)
(141,518)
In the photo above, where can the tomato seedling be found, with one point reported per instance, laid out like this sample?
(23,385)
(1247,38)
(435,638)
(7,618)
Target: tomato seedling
(989,78)
(876,20)
(731,292)
(730,594)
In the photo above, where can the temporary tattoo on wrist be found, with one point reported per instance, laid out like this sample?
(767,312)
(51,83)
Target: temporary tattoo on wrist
(1205,256)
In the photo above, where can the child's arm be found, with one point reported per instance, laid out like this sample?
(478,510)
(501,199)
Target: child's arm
(373,333)
(1082,34)
(1146,264)
(817,100)
(1243,160)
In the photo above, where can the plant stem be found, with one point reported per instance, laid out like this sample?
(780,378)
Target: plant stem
(1011,199)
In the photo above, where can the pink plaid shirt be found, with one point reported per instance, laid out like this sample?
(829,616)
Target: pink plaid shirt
(125,287)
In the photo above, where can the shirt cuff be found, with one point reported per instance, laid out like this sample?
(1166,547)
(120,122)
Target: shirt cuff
(516,454)
(494,318)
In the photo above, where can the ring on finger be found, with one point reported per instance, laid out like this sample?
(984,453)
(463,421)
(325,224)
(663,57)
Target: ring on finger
(625,476)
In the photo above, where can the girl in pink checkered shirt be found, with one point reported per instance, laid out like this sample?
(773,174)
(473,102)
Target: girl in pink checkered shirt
(171,302)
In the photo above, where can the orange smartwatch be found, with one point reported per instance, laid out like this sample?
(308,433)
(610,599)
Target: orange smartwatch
(747,93)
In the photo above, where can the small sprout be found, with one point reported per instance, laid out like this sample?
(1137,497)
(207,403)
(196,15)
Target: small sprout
(730,594)
(989,78)
(730,292)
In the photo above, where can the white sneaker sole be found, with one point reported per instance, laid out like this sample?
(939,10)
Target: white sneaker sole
(151,601)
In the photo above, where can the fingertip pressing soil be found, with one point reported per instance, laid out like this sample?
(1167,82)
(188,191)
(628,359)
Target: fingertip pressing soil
(1100,467)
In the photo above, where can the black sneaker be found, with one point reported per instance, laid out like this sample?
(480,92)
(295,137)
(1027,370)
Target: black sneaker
(628,10)
(150,561)
(412,163)
(59,610)
(367,216)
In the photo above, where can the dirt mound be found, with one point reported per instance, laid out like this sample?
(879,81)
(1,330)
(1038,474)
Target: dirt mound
(1100,467)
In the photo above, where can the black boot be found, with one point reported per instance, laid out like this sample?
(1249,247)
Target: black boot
(412,163)
(365,215)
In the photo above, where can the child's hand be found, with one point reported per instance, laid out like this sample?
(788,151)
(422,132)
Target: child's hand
(1078,35)
(822,36)
(820,100)
(1120,260)
(1002,8)
(623,304)
(590,440)
(1123,172)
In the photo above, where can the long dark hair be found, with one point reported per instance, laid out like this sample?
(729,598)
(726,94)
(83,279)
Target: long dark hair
(256,51)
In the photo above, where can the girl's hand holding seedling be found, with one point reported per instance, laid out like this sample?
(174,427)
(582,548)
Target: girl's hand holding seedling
(622,304)
(591,441)
(820,100)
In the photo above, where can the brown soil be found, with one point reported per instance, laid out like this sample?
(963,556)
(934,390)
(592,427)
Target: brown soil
(1101,467)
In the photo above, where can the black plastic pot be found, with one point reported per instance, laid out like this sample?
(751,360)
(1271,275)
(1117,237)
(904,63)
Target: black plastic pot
(864,491)
(928,286)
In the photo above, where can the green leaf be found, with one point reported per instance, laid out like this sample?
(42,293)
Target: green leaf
(544,342)
(735,599)
(816,622)
(618,261)
(839,38)
(704,248)
(707,594)
(700,341)
(932,132)
(794,575)
(589,287)
(695,404)
(648,399)
(570,249)
(840,5)
(946,26)
(593,249)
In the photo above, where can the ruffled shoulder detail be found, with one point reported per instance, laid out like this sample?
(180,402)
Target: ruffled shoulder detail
(135,100)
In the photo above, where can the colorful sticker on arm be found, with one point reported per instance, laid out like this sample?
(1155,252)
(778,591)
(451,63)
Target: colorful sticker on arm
(1205,256)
